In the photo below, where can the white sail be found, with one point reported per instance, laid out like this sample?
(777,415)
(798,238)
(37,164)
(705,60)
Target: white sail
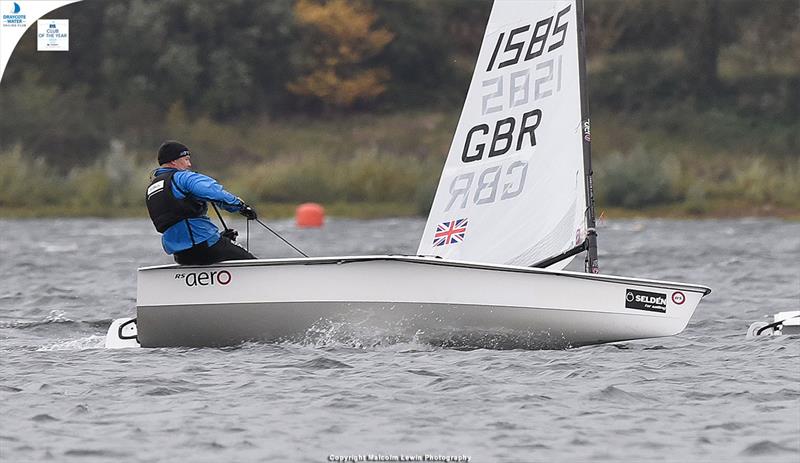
(513,186)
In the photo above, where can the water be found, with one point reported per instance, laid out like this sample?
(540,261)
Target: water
(708,394)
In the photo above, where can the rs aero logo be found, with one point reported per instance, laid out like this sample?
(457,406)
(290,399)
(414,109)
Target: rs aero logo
(220,278)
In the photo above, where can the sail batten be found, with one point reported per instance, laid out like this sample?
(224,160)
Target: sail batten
(513,188)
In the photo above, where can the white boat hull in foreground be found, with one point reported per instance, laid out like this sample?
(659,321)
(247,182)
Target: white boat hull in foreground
(441,302)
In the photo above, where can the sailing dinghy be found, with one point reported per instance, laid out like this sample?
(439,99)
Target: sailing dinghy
(514,205)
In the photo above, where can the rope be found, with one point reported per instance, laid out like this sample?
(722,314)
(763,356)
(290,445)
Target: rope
(263,225)
(282,238)
(219,215)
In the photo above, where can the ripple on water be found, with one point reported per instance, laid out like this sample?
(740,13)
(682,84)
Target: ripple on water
(503,425)
(80,409)
(213,445)
(767,447)
(93,453)
(55,316)
(616,394)
(165,390)
(322,363)
(94,341)
(731,426)
(426,373)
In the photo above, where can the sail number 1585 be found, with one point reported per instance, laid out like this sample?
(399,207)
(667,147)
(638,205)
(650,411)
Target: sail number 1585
(537,41)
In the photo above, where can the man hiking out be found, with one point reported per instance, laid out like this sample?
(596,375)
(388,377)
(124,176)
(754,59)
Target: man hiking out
(176,201)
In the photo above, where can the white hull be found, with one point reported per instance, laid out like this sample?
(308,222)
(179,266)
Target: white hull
(441,302)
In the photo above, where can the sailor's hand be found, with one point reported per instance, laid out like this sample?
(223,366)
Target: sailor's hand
(230,233)
(248,212)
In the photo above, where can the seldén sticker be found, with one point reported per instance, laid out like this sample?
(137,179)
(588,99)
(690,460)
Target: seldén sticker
(643,300)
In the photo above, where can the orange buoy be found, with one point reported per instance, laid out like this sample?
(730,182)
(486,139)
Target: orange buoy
(309,215)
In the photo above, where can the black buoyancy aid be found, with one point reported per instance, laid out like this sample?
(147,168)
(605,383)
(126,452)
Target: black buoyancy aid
(165,209)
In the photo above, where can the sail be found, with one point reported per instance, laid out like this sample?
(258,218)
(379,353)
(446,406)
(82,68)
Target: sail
(513,188)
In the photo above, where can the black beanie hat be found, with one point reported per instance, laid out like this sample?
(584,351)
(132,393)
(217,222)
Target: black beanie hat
(171,150)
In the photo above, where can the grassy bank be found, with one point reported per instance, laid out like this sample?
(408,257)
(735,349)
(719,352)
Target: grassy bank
(377,166)
(716,209)
(266,211)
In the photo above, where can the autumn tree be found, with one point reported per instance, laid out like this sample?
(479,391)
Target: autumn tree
(339,38)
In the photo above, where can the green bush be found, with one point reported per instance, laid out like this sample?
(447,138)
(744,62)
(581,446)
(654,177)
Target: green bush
(759,181)
(28,182)
(636,180)
(300,179)
(365,177)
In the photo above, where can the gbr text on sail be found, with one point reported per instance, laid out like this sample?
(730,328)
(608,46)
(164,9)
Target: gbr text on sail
(525,68)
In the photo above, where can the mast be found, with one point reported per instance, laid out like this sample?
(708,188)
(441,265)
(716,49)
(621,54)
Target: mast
(592,265)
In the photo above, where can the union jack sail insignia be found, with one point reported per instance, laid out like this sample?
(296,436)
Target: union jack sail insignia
(450,232)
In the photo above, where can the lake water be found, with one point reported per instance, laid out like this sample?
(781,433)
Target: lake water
(707,394)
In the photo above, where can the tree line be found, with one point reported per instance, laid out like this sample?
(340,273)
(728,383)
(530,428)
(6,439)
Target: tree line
(133,62)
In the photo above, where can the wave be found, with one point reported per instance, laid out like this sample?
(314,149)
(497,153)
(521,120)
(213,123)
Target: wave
(328,333)
(90,342)
(55,317)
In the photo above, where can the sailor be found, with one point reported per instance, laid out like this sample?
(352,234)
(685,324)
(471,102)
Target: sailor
(177,203)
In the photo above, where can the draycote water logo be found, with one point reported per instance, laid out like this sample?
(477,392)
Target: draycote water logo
(14,17)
